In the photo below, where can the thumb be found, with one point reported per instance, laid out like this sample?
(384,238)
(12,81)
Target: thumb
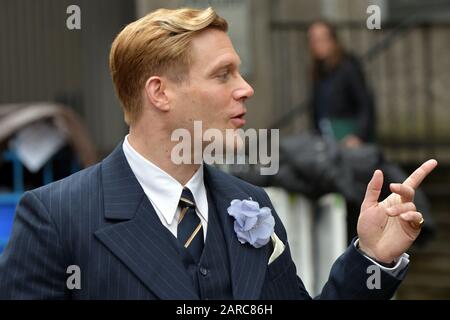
(373,190)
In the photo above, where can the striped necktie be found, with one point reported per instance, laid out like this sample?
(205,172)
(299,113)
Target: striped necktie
(190,230)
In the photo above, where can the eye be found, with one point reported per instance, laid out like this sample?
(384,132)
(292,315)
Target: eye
(223,76)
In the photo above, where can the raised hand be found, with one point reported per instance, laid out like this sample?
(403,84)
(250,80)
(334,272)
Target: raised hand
(387,229)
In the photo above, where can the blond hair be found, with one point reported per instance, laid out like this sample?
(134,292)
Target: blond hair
(157,44)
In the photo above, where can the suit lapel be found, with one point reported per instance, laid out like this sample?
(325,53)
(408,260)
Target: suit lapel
(137,237)
(248,264)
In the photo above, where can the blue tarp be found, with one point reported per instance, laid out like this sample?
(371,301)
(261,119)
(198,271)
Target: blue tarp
(6,220)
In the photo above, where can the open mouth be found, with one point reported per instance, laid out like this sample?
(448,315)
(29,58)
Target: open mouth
(239,121)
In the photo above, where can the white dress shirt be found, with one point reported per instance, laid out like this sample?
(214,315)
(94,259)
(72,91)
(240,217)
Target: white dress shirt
(164,191)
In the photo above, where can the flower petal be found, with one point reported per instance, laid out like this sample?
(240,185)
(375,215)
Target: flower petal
(250,205)
(250,223)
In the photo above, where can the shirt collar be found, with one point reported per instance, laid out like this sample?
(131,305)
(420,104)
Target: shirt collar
(161,188)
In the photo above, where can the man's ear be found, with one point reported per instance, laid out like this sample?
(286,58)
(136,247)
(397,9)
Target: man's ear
(155,91)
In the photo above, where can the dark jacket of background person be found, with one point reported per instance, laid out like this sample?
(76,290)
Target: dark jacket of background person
(342,93)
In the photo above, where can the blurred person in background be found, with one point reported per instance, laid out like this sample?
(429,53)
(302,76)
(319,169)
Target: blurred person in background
(341,103)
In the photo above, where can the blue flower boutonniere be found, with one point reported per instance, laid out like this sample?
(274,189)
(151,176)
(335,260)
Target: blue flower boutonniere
(253,224)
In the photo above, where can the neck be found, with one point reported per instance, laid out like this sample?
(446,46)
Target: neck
(157,149)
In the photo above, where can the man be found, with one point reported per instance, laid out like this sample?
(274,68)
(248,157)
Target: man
(124,223)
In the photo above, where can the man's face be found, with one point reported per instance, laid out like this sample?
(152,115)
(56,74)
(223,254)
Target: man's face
(215,92)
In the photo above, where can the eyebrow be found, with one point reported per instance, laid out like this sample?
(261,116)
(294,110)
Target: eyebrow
(226,64)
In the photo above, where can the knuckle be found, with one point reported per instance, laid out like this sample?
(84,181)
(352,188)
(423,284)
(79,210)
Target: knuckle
(411,206)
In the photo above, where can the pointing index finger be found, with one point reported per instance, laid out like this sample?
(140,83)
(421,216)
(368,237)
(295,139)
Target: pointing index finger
(416,178)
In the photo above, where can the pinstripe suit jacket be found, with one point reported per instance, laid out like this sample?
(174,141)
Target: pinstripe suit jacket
(100,220)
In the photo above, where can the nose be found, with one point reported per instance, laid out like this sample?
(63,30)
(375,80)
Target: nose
(244,90)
